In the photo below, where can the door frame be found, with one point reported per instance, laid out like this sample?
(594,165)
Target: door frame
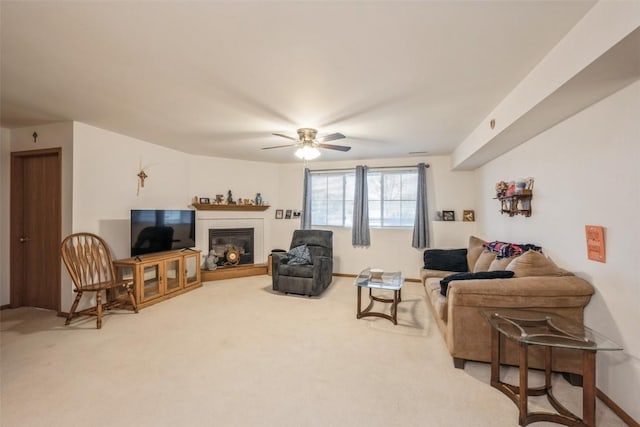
(16,223)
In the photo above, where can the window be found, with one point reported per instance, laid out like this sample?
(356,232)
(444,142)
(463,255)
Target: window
(332,199)
(392,198)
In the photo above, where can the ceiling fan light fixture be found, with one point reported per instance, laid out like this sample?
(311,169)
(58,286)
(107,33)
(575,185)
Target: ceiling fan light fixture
(307,152)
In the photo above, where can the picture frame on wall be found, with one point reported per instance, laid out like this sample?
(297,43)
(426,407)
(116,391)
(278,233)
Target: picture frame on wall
(287,214)
(469,215)
(279,213)
(448,215)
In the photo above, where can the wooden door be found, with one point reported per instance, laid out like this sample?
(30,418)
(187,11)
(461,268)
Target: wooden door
(36,181)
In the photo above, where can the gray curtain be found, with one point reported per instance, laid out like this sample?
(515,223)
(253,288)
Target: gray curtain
(421,223)
(305,218)
(360,230)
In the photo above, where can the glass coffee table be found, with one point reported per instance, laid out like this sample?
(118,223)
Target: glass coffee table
(391,281)
(550,331)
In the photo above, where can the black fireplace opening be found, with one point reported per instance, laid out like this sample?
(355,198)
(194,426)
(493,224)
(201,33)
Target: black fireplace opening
(221,240)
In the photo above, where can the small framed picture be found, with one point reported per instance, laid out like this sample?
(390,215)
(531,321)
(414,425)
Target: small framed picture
(296,213)
(469,216)
(287,214)
(279,213)
(204,200)
(448,215)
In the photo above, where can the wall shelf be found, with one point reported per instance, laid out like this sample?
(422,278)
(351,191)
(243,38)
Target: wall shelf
(204,207)
(516,204)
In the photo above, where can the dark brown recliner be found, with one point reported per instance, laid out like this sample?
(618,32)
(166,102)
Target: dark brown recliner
(308,279)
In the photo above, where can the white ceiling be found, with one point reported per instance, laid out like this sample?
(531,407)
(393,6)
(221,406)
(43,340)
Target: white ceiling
(218,78)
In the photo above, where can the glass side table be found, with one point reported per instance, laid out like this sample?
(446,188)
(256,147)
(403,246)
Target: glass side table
(549,331)
(391,281)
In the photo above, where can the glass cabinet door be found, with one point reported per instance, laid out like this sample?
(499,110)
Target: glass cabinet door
(151,282)
(172,275)
(123,272)
(191,269)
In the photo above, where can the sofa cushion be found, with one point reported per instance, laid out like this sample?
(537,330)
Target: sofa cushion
(484,261)
(438,302)
(299,255)
(446,259)
(444,283)
(500,263)
(533,263)
(440,306)
(427,274)
(473,251)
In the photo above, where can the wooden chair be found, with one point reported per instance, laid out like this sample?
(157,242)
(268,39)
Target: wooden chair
(88,260)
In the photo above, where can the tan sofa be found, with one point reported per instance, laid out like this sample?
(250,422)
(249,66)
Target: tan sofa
(538,285)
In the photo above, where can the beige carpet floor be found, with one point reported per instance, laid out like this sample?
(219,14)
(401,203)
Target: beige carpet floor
(234,353)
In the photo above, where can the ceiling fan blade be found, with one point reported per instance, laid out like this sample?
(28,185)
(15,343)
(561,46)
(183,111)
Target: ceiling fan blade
(335,147)
(286,136)
(331,137)
(280,146)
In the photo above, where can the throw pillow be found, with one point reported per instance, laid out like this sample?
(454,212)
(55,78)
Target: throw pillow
(533,263)
(484,261)
(474,250)
(444,283)
(506,250)
(299,255)
(446,259)
(500,263)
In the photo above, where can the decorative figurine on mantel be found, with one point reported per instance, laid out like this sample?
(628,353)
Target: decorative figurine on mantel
(258,199)
(230,198)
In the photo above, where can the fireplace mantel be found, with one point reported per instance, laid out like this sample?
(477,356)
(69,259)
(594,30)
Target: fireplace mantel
(204,207)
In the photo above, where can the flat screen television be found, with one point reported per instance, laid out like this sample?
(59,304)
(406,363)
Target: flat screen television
(161,230)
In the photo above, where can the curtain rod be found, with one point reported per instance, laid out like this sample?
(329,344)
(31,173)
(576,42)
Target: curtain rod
(372,167)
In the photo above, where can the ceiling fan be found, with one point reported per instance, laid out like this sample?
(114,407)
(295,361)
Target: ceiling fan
(308,144)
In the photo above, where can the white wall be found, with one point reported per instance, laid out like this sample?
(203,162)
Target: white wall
(105,187)
(100,187)
(586,173)
(211,176)
(5,173)
(602,27)
(390,248)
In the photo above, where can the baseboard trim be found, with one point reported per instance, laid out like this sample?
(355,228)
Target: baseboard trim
(616,409)
(5,306)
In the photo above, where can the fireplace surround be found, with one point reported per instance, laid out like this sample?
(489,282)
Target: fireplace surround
(222,240)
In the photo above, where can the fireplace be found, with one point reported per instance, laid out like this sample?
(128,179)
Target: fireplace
(221,240)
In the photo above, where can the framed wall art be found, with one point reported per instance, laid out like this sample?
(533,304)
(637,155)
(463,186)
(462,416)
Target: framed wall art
(595,243)
(448,215)
(469,215)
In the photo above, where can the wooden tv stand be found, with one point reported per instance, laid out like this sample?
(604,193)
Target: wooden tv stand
(159,276)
